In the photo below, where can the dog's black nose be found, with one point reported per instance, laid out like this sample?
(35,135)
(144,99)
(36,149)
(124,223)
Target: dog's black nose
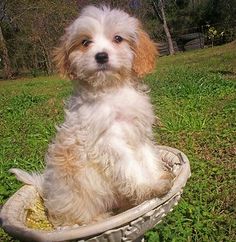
(101,57)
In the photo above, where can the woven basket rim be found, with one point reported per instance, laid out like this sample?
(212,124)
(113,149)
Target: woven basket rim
(13,224)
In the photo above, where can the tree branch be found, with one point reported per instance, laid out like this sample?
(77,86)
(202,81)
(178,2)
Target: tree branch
(25,10)
(157,11)
(2,10)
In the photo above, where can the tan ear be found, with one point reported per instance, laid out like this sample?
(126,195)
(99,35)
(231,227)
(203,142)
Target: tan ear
(60,58)
(145,55)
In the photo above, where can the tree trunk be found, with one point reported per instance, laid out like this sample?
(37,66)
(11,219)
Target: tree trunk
(48,63)
(160,13)
(6,60)
(166,29)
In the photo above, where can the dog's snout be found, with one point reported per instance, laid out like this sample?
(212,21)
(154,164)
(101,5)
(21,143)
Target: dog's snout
(101,57)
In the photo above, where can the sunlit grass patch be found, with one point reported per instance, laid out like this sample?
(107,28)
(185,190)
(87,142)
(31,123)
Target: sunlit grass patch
(195,99)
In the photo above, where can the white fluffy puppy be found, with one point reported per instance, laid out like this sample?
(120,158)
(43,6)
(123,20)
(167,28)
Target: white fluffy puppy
(103,156)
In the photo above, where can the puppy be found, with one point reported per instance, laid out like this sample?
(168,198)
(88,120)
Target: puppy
(103,156)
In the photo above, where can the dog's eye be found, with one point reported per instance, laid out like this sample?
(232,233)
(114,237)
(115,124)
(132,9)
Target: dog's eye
(117,39)
(86,42)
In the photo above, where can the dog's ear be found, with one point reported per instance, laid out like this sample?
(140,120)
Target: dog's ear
(145,54)
(60,59)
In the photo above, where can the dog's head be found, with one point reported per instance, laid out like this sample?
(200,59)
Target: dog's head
(105,47)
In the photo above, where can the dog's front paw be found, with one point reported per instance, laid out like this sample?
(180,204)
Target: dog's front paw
(160,188)
(163,184)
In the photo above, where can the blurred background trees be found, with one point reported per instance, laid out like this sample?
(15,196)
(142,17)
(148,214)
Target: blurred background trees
(30,29)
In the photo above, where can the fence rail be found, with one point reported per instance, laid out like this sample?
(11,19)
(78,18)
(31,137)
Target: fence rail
(200,37)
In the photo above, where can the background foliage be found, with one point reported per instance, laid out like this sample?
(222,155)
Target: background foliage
(32,28)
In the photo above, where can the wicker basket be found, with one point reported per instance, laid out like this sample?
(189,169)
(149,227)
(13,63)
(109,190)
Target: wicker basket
(127,226)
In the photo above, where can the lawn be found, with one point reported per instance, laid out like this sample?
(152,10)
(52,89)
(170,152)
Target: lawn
(194,95)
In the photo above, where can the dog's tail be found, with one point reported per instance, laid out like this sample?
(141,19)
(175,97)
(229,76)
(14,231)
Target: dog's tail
(33,179)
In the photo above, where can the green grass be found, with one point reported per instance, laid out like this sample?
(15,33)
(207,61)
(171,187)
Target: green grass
(193,93)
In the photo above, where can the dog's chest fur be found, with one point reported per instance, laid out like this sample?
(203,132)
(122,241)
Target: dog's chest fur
(124,112)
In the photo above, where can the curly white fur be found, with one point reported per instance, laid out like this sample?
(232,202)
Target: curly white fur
(103,156)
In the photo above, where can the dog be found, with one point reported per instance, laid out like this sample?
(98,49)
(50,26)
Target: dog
(104,156)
